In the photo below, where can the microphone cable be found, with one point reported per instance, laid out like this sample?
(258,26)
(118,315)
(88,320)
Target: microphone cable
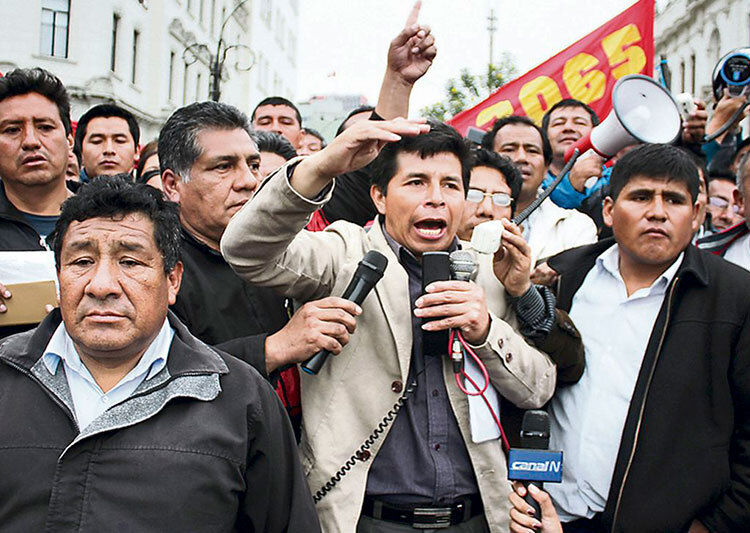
(459,348)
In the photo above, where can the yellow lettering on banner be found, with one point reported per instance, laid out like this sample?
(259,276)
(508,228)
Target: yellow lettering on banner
(624,58)
(533,93)
(584,83)
(499,109)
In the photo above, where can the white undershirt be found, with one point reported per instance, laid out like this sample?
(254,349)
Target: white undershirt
(587,418)
(739,252)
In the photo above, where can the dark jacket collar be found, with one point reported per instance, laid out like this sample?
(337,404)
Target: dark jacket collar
(190,239)
(187,355)
(7,209)
(573,266)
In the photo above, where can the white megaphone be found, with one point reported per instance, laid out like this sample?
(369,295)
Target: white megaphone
(642,112)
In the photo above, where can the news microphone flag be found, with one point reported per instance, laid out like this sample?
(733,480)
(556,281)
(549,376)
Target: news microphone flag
(535,465)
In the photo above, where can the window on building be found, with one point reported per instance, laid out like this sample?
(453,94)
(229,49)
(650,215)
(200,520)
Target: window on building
(714,47)
(682,76)
(54,31)
(185,84)
(113,56)
(692,74)
(198,86)
(134,71)
(170,88)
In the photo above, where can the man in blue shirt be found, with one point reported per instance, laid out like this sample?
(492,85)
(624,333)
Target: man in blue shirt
(565,123)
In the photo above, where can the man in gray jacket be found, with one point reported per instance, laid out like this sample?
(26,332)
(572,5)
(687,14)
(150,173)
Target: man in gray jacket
(114,417)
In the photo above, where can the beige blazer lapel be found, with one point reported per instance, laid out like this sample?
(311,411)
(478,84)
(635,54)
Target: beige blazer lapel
(393,294)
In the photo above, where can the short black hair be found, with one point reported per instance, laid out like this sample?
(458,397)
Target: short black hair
(117,196)
(659,161)
(488,142)
(441,138)
(151,148)
(37,80)
(269,141)
(178,140)
(569,102)
(106,111)
(355,111)
(487,158)
(721,174)
(277,100)
(317,135)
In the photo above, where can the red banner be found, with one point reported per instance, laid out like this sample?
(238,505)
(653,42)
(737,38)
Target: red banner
(587,70)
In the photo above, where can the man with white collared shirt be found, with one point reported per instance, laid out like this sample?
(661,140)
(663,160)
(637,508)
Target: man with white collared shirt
(616,327)
(113,412)
(89,400)
(647,431)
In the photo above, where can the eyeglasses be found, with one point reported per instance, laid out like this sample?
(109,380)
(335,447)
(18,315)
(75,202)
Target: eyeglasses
(500,199)
(722,204)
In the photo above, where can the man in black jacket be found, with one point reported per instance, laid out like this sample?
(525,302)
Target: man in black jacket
(35,140)
(656,434)
(114,417)
(211,167)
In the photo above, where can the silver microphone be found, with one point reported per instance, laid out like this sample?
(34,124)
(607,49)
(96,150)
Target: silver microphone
(463,265)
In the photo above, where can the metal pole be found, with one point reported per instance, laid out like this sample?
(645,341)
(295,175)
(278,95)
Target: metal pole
(217,65)
(492,29)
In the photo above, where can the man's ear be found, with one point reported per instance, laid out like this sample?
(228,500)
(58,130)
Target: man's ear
(378,198)
(739,199)
(174,280)
(300,139)
(607,206)
(71,142)
(169,182)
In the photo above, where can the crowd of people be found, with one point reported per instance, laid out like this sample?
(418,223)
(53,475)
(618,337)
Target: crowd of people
(196,272)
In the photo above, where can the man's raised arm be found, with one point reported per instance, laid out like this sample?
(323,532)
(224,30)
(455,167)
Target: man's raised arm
(265,242)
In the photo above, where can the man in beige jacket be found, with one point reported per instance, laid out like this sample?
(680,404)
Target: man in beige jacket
(426,466)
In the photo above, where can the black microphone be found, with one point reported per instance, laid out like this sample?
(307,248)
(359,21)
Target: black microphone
(368,273)
(535,436)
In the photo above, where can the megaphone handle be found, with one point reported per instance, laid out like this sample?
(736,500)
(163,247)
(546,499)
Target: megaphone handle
(728,124)
(518,219)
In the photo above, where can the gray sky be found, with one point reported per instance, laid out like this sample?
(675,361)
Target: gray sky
(350,38)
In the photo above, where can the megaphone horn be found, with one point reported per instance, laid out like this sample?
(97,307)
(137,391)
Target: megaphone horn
(642,111)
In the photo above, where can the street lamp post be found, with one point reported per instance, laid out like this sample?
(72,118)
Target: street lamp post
(216,60)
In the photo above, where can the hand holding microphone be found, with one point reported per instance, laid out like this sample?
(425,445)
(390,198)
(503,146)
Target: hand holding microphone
(534,463)
(455,304)
(368,273)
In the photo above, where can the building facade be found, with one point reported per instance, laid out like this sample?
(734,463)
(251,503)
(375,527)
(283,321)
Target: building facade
(152,56)
(694,34)
(325,113)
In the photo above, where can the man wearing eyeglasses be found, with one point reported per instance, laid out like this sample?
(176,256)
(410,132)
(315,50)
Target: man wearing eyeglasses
(725,212)
(734,243)
(493,187)
(550,229)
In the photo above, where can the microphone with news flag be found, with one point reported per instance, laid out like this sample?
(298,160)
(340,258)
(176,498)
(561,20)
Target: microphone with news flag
(368,273)
(534,462)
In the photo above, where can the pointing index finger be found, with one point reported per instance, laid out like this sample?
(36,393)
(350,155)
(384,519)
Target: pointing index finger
(414,14)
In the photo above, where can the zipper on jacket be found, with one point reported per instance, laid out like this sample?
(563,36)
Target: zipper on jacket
(643,405)
(46,391)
